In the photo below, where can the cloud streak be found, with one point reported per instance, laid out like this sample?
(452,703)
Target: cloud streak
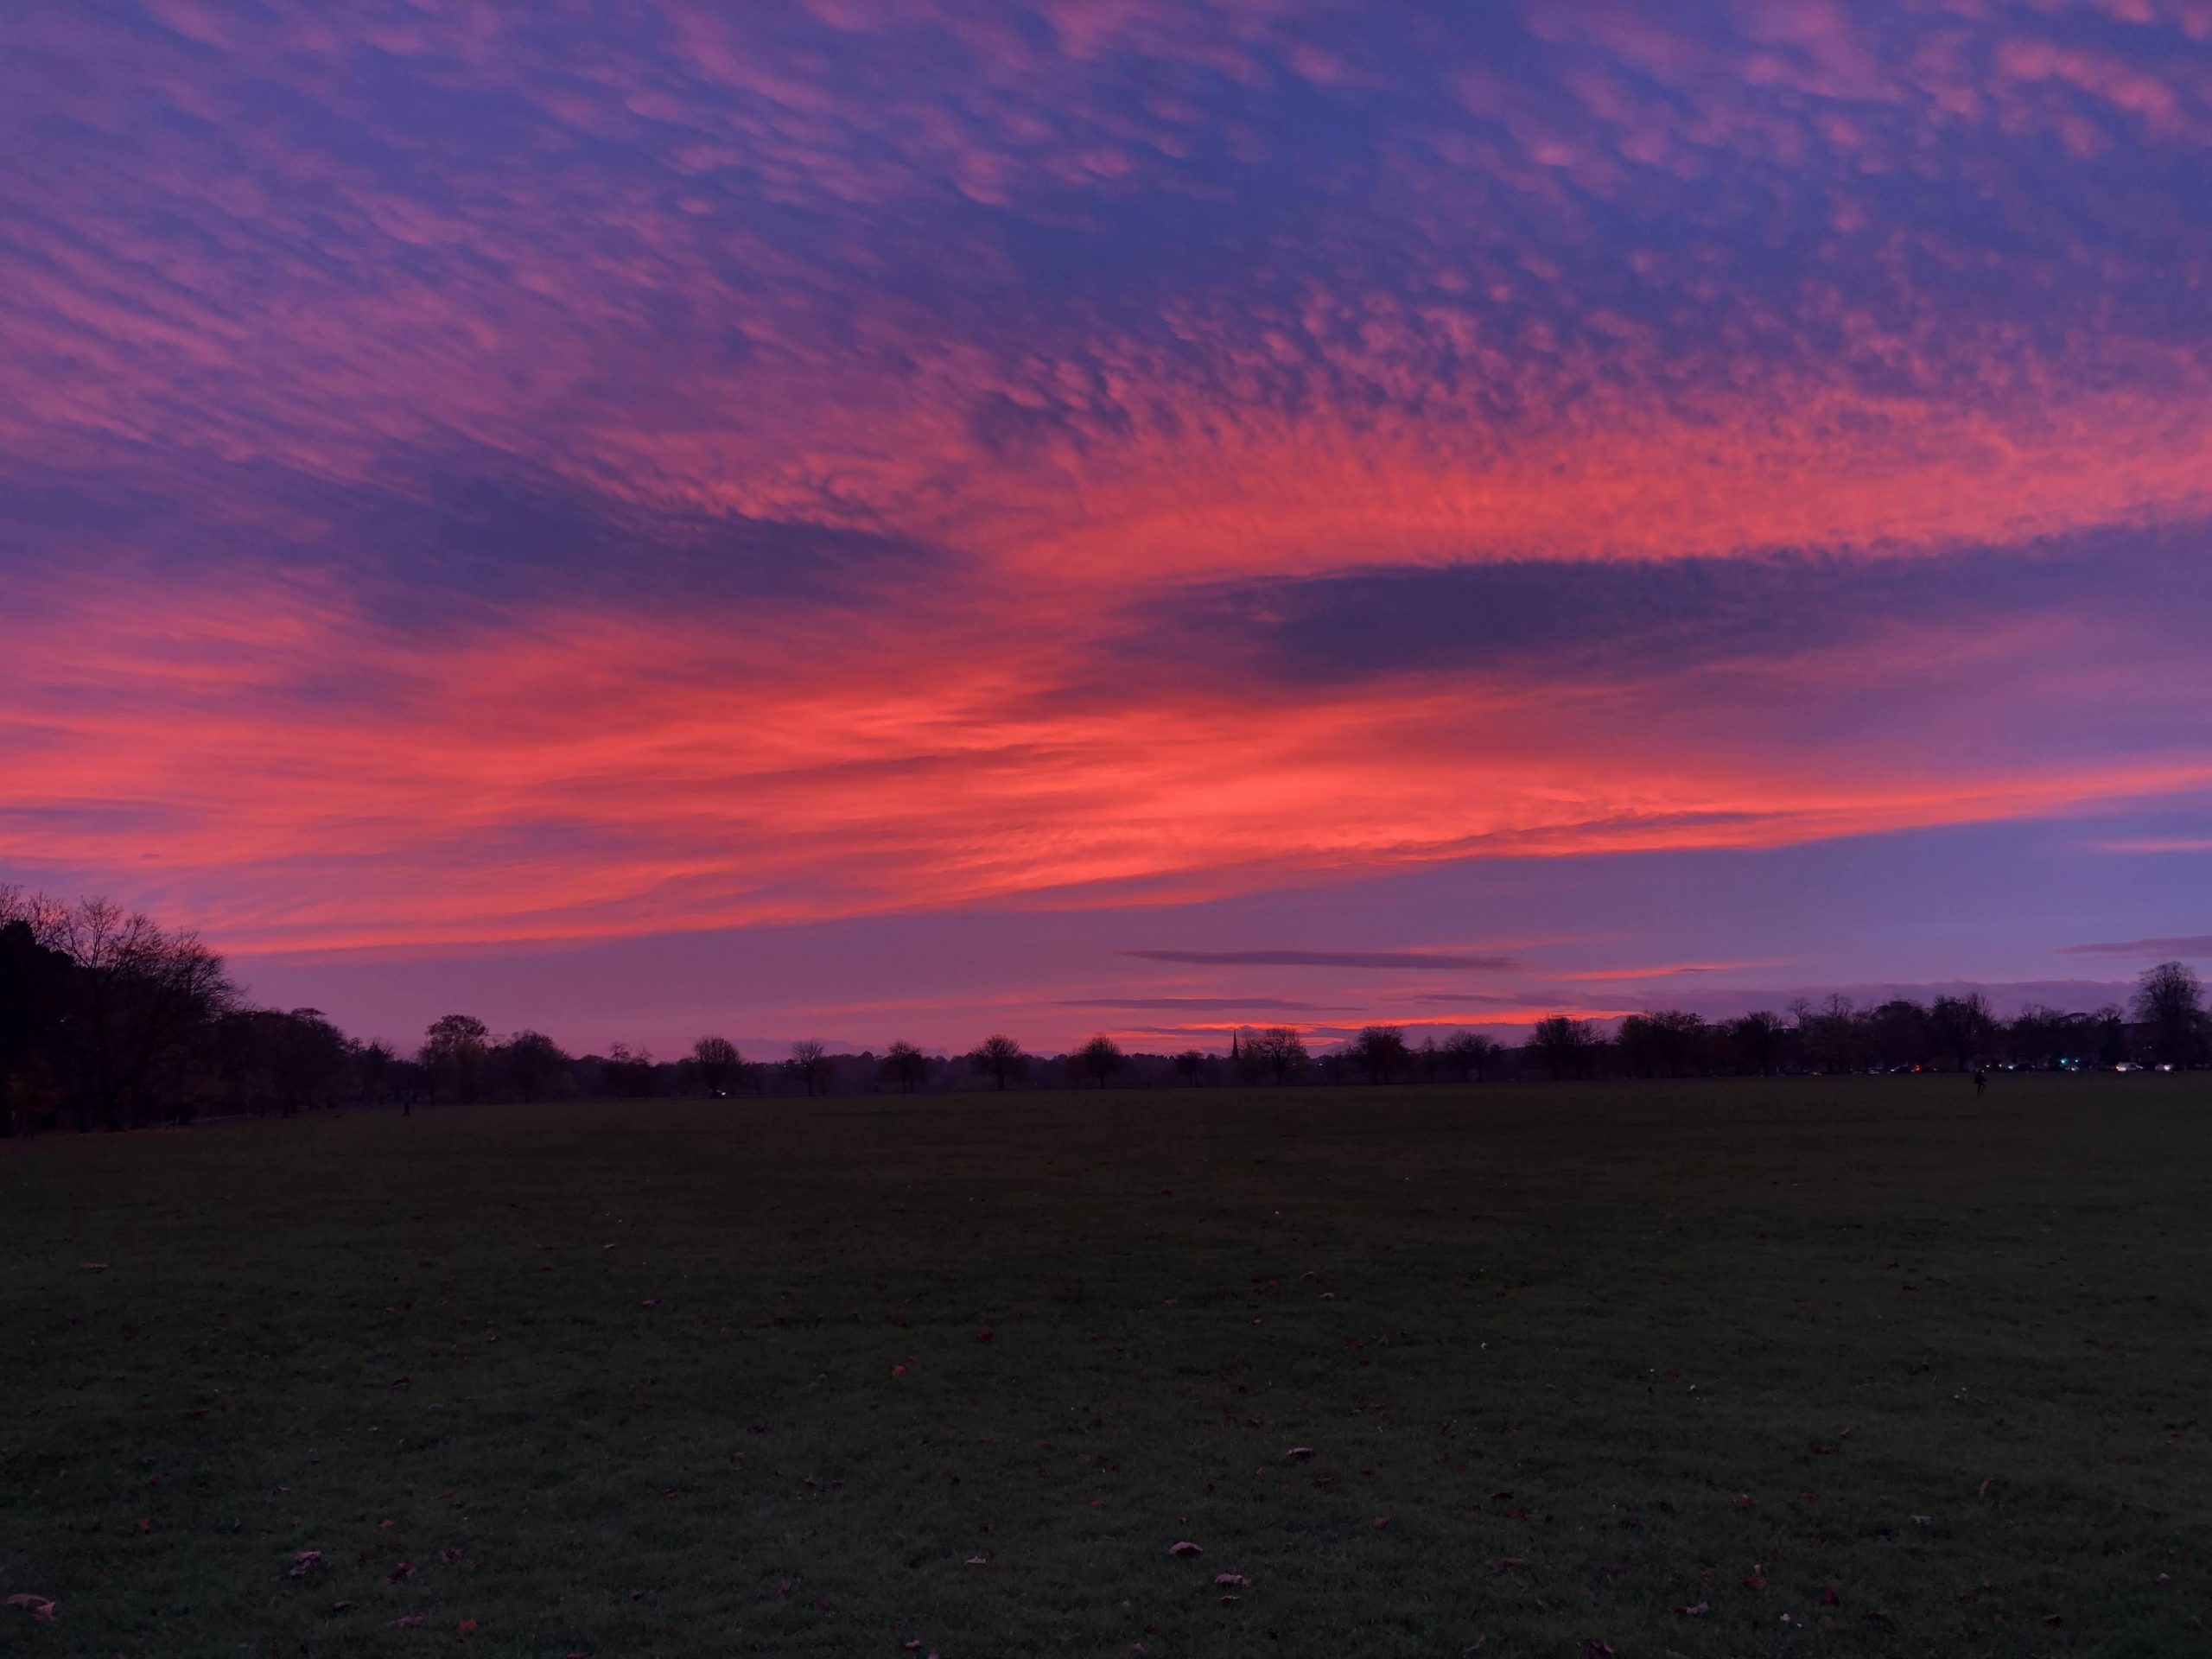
(1446,959)
(2186,944)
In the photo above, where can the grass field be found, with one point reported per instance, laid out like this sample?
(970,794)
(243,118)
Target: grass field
(1856,1366)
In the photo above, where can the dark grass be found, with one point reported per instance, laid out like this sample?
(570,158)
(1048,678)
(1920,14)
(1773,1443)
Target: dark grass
(1638,1339)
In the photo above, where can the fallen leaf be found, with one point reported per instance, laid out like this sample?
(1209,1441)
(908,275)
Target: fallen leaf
(979,1561)
(400,1574)
(38,1607)
(986,1336)
(1743,1501)
(1508,1563)
(1920,1519)
(1756,1579)
(340,1606)
(1184,1547)
(1297,1454)
(1829,1599)
(467,1626)
(304,1562)
(1231,1581)
(406,1621)
(450,1558)
(1696,1609)
(1382,1520)
(87,1267)
(1593,1649)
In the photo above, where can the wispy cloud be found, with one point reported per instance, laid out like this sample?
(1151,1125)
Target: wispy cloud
(2185,944)
(1451,959)
(1195,1004)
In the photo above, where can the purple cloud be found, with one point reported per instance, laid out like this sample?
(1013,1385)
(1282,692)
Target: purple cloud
(1448,959)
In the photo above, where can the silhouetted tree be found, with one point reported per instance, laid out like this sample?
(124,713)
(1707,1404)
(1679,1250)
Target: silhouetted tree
(1470,1055)
(1665,1044)
(2037,1037)
(1833,1038)
(1759,1037)
(373,1069)
(35,989)
(906,1065)
(625,1074)
(1563,1046)
(1901,1032)
(1278,1052)
(1963,1027)
(532,1066)
(1191,1065)
(1381,1052)
(810,1062)
(1000,1058)
(2110,1029)
(1099,1059)
(453,1051)
(716,1061)
(2170,1007)
(142,997)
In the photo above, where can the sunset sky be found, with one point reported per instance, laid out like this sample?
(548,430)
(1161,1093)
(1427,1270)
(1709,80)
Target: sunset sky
(882,518)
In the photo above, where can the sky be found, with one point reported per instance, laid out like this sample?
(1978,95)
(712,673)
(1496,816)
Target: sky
(914,518)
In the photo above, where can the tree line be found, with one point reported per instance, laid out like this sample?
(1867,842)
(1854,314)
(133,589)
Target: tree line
(109,1020)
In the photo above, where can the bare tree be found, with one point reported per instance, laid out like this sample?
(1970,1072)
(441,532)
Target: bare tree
(1280,1052)
(1470,1055)
(906,1065)
(2170,1007)
(141,997)
(1563,1045)
(715,1059)
(1381,1052)
(1963,1027)
(999,1057)
(811,1061)
(1191,1065)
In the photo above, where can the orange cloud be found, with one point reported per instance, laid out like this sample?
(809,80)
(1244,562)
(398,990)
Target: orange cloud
(308,778)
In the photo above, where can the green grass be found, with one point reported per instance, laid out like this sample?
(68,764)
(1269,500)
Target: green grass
(1594,1353)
